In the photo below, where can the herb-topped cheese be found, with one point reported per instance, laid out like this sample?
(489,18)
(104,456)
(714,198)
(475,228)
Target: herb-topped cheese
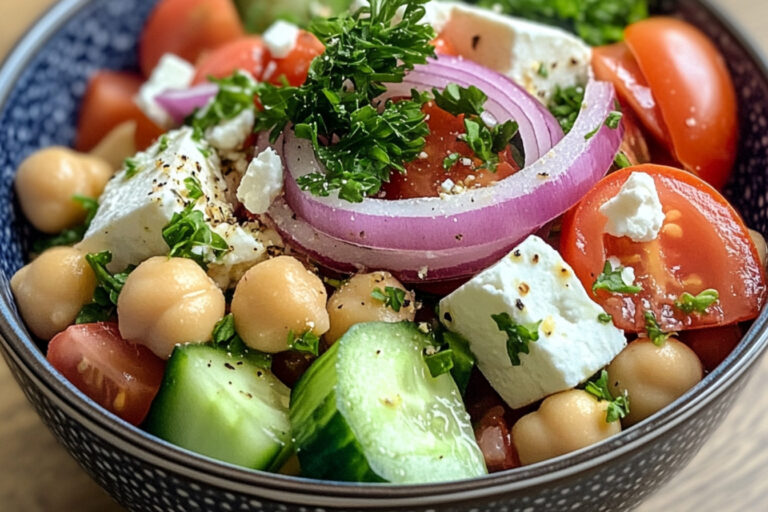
(531,325)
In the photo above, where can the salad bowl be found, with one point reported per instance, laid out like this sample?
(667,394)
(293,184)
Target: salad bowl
(41,85)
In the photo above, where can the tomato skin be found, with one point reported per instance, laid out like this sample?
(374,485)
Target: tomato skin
(295,66)
(108,102)
(693,87)
(712,345)
(121,377)
(187,28)
(444,47)
(246,53)
(425,175)
(703,244)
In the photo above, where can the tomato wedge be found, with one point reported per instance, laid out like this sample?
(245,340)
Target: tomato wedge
(294,67)
(703,244)
(120,376)
(247,53)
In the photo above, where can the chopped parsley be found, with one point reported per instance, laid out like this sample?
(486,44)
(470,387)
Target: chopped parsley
(518,336)
(613,120)
(451,160)
(163,143)
(189,236)
(236,94)
(604,318)
(194,188)
(618,407)
(364,51)
(598,22)
(622,161)
(224,335)
(131,168)
(612,281)
(391,297)
(439,362)
(655,333)
(543,72)
(450,353)
(308,342)
(108,289)
(565,105)
(72,235)
(592,133)
(688,303)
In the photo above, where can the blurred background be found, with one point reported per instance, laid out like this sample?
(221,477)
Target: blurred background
(729,474)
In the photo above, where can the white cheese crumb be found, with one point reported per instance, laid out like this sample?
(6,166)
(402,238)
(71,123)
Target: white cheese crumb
(280,38)
(423,155)
(447,185)
(466,162)
(422,273)
(636,211)
(171,72)
(231,134)
(262,183)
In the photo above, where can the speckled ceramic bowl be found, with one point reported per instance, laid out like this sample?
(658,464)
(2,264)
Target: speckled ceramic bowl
(40,87)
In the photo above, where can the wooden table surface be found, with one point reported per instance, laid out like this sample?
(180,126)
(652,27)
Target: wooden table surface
(729,474)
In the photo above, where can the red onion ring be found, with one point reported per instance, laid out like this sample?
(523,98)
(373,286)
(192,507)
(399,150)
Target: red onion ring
(179,104)
(506,211)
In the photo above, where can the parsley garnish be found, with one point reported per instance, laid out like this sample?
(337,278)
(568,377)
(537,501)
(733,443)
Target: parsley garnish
(451,160)
(612,281)
(621,161)
(131,168)
(697,303)
(439,362)
(604,318)
(543,72)
(565,105)
(108,289)
(592,133)
(652,327)
(618,407)
(364,51)
(598,22)
(518,336)
(308,342)
(236,93)
(391,296)
(194,188)
(163,144)
(72,235)
(613,120)
(189,236)
(224,335)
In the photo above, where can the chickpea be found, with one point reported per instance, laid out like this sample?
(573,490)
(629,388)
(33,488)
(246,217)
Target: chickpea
(47,181)
(353,304)
(117,145)
(277,297)
(653,376)
(167,301)
(760,244)
(565,422)
(52,289)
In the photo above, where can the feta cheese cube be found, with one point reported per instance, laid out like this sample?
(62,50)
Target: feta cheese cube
(262,183)
(171,72)
(280,38)
(636,211)
(249,244)
(532,284)
(231,134)
(137,205)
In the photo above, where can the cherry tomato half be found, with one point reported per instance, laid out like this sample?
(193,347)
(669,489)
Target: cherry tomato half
(679,85)
(703,244)
(121,377)
(295,66)
(187,28)
(246,53)
(108,102)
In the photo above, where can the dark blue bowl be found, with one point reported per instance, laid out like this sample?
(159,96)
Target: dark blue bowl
(41,84)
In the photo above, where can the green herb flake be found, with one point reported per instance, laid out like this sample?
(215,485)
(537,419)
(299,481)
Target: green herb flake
(688,303)
(189,236)
(391,296)
(72,235)
(614,119)
(131,168)
(194,188)
(163,144)
(518,336)
(622,161)
(108,288)
(224,335)
(566,104)
(592,133)
(308,342)
(463,359)
(451,160)
(543,72)
(618,408)
(439,363)
(611,280)
(604,318)
(655,333)
(236,94)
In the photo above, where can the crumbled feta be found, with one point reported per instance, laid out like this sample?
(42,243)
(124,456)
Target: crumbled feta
(249,244)
(171,72)
(447,185)
(134,209)
(262,183)
(636,211)
(280,38)
(532,284)
(231,134)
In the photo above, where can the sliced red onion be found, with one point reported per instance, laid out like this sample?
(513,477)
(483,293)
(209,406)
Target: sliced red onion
(181,103)
(506,211)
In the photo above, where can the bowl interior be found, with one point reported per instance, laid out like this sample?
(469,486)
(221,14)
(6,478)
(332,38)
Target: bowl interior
(41,87)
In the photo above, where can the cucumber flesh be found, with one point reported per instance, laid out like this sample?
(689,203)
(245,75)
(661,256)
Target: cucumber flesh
(223,406)
(369,410)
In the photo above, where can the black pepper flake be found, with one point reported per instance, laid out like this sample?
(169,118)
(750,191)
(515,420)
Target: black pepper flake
(475,42)
(516,254)
(229,366)
(340,306)
(544,174)
(259,373)
(535,258)
(362,234)
(459,237)
(406,303)
(519,304)
(447,316)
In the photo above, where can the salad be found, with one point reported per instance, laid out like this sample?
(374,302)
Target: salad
(399,241)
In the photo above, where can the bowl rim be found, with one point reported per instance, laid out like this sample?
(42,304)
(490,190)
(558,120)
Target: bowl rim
(19,347)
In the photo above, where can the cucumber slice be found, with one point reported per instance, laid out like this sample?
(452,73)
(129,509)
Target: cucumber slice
(224,406)
(369,410)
